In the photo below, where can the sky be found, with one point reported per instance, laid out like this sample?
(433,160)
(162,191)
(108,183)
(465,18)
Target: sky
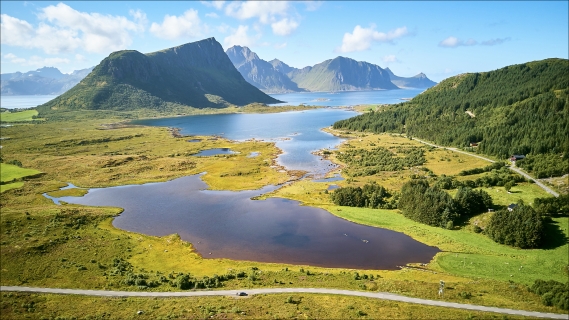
(440,39)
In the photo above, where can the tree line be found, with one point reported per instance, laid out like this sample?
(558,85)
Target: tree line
(520,109)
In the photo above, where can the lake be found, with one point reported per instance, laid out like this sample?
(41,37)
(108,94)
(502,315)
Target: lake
(296,133)
(346,98)
(229,224)
(24,102)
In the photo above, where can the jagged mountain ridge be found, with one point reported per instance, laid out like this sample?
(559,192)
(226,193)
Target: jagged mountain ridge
(260,73)
(338,74)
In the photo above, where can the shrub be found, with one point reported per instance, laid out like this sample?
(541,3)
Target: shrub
(522,227)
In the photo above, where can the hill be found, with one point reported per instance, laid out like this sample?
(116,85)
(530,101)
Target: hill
(342,74)
(259,72)
(418,81)
(197,74)
(43,81)
(519,109)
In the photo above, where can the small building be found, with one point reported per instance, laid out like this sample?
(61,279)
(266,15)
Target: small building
(516,157)
(512,206)
(474,144)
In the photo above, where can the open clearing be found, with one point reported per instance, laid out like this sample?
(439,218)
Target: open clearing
(21,116)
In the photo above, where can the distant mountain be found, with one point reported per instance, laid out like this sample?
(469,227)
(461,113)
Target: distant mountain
(259,72)
(418,81)
(343,74)
(281,66)
(43,81)
(197,74)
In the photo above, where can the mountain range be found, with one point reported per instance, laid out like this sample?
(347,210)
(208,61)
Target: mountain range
(43,81)
(338,74)
(197,74)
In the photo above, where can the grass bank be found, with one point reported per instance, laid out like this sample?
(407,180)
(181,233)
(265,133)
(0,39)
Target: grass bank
(19,116)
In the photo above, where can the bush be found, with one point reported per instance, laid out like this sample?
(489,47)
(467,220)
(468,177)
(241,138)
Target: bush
(552,293)
(522,227)
(370,196)
(552,206)
(428,205)
(471,202)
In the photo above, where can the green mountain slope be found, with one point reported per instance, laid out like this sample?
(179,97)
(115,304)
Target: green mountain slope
(342,74)
(197,74)
(519,109)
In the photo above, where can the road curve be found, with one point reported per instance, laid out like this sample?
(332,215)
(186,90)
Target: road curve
(374,295)
(513,167)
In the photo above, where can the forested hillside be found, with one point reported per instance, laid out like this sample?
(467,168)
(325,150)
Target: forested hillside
(519,109)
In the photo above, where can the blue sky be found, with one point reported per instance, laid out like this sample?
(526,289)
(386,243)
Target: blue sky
(441,39)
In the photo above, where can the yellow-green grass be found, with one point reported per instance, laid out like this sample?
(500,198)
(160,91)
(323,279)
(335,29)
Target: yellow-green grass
(266,306)
(489,259)
(20,116)
(9,172)
(87,156)
(72,192)
(31,259)
(447,162)
(10,186)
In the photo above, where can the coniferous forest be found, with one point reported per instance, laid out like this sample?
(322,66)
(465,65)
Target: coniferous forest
(519,109)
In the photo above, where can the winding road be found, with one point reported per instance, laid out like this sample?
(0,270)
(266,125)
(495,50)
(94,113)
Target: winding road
(513,167)
(373,295)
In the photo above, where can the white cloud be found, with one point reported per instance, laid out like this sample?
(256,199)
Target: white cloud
(266,11)
(139,16)
(279,14)
(216,4)
(312,5)
(284,27)
(390,58)
(223,28)
(453,42)
(494,42)
(187,25)
(64,29)
(212,15)
(280,45)
(80,58)
(36,61)
(241,38)
(361,38)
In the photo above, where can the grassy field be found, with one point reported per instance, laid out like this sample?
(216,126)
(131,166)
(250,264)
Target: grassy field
(273,306)
(9,186)
(21,116)
(73,246)
(9,172)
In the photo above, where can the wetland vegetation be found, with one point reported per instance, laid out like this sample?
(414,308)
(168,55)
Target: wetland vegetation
(74,246)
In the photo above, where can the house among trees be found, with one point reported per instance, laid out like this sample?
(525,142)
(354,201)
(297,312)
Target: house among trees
(515,157)
(474,144)
(512,206)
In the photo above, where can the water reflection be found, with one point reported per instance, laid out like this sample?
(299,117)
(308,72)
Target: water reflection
(229,224)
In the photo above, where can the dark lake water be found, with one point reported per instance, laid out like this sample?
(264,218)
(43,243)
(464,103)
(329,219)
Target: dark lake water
(297,133)
(231,225)
(346,98)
